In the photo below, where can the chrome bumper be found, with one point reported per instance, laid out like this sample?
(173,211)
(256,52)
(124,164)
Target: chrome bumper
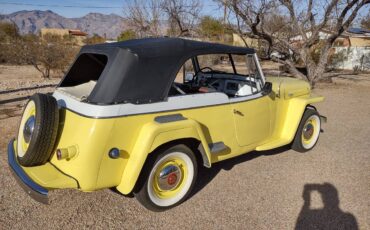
(34,190)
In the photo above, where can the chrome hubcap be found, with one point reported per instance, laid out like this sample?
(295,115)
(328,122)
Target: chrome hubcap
(28,129)
(169,177)
(308,131)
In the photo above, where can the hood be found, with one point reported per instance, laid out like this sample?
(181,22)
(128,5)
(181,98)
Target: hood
(288,87)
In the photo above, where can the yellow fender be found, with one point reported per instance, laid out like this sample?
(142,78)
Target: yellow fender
(153,135)
(294,115)
(294,110)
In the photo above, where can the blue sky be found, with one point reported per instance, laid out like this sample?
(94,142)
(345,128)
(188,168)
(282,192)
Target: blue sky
(78,8)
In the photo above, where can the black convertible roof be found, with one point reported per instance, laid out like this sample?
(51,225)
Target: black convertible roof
(141,70)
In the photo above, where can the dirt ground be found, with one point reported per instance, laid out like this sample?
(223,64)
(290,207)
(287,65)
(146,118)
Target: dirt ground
(328,187)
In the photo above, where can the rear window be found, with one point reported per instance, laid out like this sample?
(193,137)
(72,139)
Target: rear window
(87,67)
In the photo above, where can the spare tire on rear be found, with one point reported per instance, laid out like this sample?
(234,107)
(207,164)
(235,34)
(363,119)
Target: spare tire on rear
(37,130)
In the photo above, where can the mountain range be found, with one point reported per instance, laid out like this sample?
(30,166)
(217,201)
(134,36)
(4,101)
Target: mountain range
(93,23)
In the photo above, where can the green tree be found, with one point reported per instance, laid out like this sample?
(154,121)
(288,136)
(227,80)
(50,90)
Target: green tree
(8,31)
(126,35)
(211,27)
(9,37)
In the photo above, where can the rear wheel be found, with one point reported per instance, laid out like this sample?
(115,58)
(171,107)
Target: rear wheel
(308,131)
(167,178)
(37,130)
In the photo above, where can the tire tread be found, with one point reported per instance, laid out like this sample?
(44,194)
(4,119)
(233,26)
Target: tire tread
(45,131)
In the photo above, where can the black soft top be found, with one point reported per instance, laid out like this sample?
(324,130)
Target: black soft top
(141,70)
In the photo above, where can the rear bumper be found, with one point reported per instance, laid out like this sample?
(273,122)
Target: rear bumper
(33,189)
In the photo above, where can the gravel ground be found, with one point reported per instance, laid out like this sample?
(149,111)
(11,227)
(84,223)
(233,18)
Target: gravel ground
(328,187)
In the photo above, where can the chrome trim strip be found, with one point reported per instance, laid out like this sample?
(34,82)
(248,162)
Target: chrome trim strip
(33,189)
(259,68)
(169,118)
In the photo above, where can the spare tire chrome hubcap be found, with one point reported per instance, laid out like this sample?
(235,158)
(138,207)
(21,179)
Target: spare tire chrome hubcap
(29,126)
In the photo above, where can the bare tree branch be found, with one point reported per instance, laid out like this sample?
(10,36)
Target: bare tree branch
(144,17)
(300,36)
(182,14)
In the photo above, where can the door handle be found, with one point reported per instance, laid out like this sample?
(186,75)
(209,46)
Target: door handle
(238,112)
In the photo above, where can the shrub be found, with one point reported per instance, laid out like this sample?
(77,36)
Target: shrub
(126,35)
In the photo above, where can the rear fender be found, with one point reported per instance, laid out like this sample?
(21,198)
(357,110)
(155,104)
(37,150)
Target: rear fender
(153,135)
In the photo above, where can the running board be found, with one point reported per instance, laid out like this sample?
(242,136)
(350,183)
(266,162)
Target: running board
(273,144)
(217,147)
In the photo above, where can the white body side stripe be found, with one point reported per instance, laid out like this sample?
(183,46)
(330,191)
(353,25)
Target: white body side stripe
(173,103)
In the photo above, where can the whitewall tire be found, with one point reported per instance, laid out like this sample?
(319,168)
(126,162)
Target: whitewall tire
(167,178)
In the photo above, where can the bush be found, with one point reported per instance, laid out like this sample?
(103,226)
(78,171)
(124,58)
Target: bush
(49,53)
(95,39)
(211,28)
(126,35)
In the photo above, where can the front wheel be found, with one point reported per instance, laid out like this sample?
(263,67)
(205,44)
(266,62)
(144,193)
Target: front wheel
(308,131)
(167,178)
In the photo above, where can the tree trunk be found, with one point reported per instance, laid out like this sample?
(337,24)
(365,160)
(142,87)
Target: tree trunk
(244,41)
(291,68)
(45,73)
(316,71)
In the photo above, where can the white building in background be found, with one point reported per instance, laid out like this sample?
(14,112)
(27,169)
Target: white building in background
(352,50)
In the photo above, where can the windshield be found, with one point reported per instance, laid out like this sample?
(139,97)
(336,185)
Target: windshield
(244,66)
(234,75)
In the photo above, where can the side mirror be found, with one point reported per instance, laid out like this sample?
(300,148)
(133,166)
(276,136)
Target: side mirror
(267,88)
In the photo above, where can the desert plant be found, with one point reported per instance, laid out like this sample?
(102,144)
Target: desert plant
(126,35)
(211,28)
(50,53)
(95,39)
(356,69)
(8,31)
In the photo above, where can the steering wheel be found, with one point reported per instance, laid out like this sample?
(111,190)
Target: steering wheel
(195,78)
(204,68)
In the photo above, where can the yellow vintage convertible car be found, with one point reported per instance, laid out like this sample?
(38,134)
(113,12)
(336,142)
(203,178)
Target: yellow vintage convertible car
(143,115)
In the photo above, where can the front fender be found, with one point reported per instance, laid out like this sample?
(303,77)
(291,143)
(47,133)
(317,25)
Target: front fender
(294,115)
(153,135)
(288,124)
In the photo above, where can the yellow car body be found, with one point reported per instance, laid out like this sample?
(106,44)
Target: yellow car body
(221,127)
(274,119)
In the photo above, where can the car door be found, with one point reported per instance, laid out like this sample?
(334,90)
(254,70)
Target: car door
(252,120)
(250,106)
